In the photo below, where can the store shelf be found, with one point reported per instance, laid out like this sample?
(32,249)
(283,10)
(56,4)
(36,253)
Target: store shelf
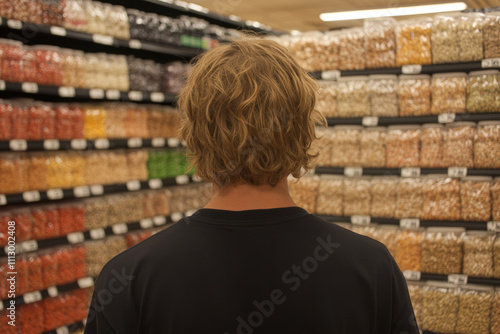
(68,93)
(454,278)
(70,328)
(20,145)
(407,172)
(91,191)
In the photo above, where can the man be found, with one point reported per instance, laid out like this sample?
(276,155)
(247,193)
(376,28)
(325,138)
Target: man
(251,261)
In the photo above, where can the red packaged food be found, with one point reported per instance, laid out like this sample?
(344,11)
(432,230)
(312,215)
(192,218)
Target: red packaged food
(12,67)
(49,63)
(29,65)
(5,218)
(77,117)
(71,218)
(53,316)
(5,120)
(4,284)
(80,264)
(20,118)
(65,271)
(81,304)
(48,121)
(35,281)
(30,316)
(22,283)
(35,120)
(45,222)
(49,268)
(24,224)
(5,328)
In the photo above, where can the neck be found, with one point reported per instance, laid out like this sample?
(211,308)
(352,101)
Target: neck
(244,196)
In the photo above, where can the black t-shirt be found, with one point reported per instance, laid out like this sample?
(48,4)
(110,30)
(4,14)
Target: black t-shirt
(273,271)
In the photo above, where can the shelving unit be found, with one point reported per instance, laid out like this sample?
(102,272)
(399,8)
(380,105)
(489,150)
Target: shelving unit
(407,172)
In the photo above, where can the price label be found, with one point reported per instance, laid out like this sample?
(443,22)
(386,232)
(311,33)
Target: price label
(182,179)
(457,279)
(411,69)
(3,200)
(457,171)
(58,31)
(409,223)
(493,226)
(133,185)
(353,171)
(85,282)
(102,39)
(410,172)
(113,94)
(330,75)
(78,144)
(155,183)
(370,121)
(52,291)
(66,92)
(173,142)
(135,96)
(28,246)
(97,233)
(29,87)
(158,142)
(97,189)
(62,330)
(32,297)
(176,216)
(360,220)
(146,223)
(51,144)
(160,220)
(446,118)
(18,145)
(96,94)
(76,237)
(101,144)
(490,63)
(157,97)
(135,44)
(31,196)
(83,191)
(55,194)
(14,24)
(412,275)
(2,85)
(134,142)
(120,228)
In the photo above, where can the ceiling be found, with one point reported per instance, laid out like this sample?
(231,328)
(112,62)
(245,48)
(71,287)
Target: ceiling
(303,15)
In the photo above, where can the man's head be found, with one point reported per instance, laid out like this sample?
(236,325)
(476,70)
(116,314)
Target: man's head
(248,114)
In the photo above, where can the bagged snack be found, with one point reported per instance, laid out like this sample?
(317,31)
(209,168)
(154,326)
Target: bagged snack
(441,198)
(330,195)
(384,196)
(373,147)
(352,49)
(448,93)
(483,91)
(487,145)
(442,250)
(478,253)
(413,39)
(380,42)
(304,191)
(357,196)
(491,35)
(384,95)
(408,249)
(444,37)
(459,144)
(431,145)
(346,145)
(326,101)
(403,146)
(475,198)
(470,36)
(440,307)
(414,92)
(474,309)
(353,98)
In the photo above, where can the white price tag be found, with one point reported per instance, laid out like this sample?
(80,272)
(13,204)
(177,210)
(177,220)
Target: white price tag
(133,185)
(490,63)
(58,31)
(14,24)
(173,142)
(353,171)
(135,95)
(360,220)
(75,237)
(97,233)
(182,179)
(52,291)
(159,220)
(2,85)
(176,216)
(493,226)
(370,121)
(412,275)
(51,144)
(18,145)
(96,94)
(78,144)
(457,279)
(85,282)
(31,196)
(83,191)
(55,194)
(97,189)
(409,223)
(155,184)
(62,330)
(28,246)
(158,142)
(120,228)
(146,223)
(411,69)
(102,39)
(3,200)
(446,118)
(101,144)
(32,297)
(29,87)
(410,172)
(67,92)
(330,75)
(113,94)
(457,171)
(157,97)
(134,142)
(135,44)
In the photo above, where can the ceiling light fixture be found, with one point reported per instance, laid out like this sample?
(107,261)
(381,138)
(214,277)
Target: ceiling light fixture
(397,11)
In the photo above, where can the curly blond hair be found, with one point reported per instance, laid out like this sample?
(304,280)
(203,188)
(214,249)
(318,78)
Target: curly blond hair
(247,114)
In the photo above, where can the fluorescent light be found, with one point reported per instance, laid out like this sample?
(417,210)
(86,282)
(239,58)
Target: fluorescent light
(397,11)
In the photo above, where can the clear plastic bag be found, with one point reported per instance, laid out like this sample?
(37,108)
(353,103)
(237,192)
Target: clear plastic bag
(440,307)
(373,147)
(431,146)
(474,309)
(96,213)
(408,249)
(483,91)
(403,146)
(346,145)
(448,93)
(6,113)
(487,145)
(475,198)
(303,48)
(478,253)
(491,35)
(329,51)
(357,196)
(352,49)
(495,314)
(384,196)
(413,40)
(326,101)
(353,98)
(330,195)
(380,42)
(441,196)
(304,191)
(36,172)
(459,144)
(414,92)
(442,250)
(75,17)
(387,234)
(383,95)
(12,171)
(137,164)
(95,122)
(410,198)
(445,39)
(46,222)
(470,35)
(95,257)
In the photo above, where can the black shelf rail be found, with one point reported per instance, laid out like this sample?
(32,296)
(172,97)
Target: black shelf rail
(70,328)
(406,172)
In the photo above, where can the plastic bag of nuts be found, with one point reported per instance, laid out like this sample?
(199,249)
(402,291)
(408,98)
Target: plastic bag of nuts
(491,35)
(352,49)
(117,162)
(410,198)
(478,253)
(387,234)
(495,314)
(470,35)
(330,195)
(495,199)
(373,147)
(323,146)
(384,195)
(442,250)
(483,91)
(448,93)
(444,38)
(303,47)
(380,42)
(496,258)
(96,257)
(431,145)
(441,198)
(487,145)
(137,164)
(413,40)
(346,145)
(408,249)
(474,309)
(326,101)
(416,291)
(330,50)
(459,144)
(96,213)
(357,196)
(440,307)
(383,95)
(36,172)
(414,92)
(353,98)
(475,198)
(12,171)
(304,191)
(403,145)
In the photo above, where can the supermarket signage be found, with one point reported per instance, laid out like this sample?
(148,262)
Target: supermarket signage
(135,95)
(157,97)
(410,172)
(97,233)
(113,94)
(330,75)
(155,183)
(360,220)
(133,185)
(83,191)
(176,216)
(489,63)
(134,142)
(78,144)
(160,220)
(409,223)
(493,226)
(119,229)
(75,237)
(85,282)
(182,179)
(457,171)
(457,279)
(28,246)
(411,69)
(158,142)
(96,94)
(412,275)
(353,171)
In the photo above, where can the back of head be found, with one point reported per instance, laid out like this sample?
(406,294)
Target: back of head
(248,114)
